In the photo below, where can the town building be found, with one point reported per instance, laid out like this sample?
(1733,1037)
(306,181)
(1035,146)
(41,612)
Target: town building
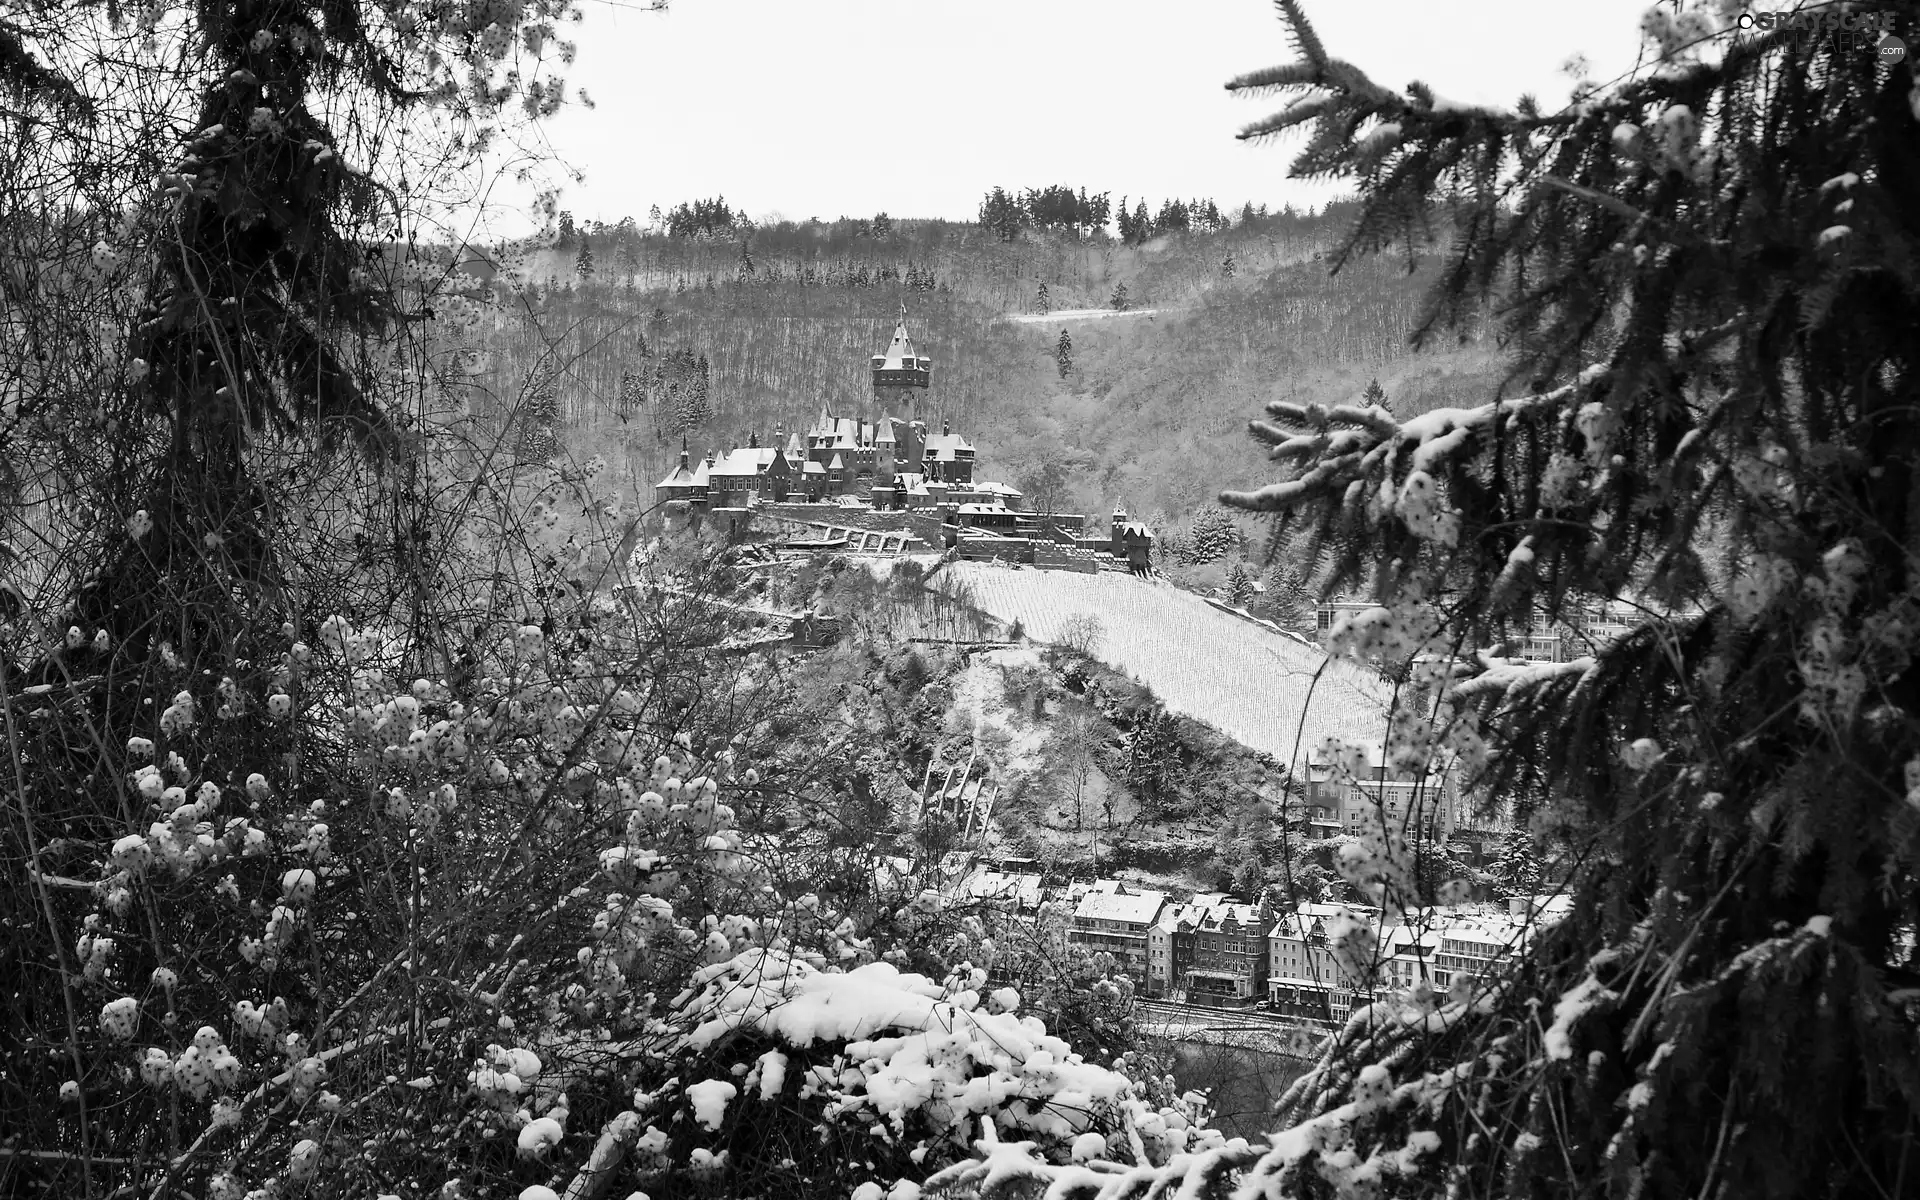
(1117,922)
(1170,948)
(1380,797)
(1305,978)
(1230,955)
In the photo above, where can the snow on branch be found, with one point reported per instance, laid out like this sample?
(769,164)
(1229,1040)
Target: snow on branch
(1510,677)
(1335,447)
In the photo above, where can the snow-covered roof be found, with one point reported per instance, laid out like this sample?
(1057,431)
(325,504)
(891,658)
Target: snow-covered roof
(988,487)
(944,446)
(997,885)
(836,464)
(701,473)
(1247,916)
(983,508)
(900,355)
(1138,908)
(681,476)
(813,468)
(748,460)
(1174,915)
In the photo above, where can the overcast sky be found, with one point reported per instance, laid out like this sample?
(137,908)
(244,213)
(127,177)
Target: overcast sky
(823,108)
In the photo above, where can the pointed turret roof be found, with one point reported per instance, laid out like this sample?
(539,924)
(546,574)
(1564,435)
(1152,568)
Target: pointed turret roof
(836,464)
(794,449)
(682,475)
(901,348)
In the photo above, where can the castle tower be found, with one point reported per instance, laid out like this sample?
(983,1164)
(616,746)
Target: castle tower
(896,375)
(899,371)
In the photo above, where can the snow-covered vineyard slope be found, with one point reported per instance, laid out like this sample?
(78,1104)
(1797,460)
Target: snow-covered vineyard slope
(1248,682)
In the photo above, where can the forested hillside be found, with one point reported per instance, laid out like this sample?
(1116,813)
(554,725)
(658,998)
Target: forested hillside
(644,338)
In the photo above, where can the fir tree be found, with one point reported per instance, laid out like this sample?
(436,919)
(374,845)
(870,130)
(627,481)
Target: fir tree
(1119,301)
(1238,585)
(1287,599)
(1042,304)
(1226,268)
(1726,327)
(746,258)
(1518,870)
(583,262)
(568,236)
(1376,396)
(1213,536)
(1063,354)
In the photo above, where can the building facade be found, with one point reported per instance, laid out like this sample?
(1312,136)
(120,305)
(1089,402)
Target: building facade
(1117,922)
(1230,955)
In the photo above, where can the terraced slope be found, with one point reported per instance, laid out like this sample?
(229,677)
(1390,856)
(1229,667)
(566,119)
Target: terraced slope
(1250,683)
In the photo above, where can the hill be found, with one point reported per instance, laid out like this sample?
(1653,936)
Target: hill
(779,321)
(1250,683)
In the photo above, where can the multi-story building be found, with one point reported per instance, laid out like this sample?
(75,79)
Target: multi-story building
(1379,796)
(1170,948)
(1305,978)
(1230,954)
(1117,922)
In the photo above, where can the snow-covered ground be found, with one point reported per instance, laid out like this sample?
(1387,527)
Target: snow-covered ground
(979,703)
(1249,682)
(1080,314)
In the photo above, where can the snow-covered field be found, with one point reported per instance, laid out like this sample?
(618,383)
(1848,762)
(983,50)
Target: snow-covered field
(1250,683)
(1079,314)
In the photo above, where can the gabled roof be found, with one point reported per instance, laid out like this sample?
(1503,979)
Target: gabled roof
(701,474)
(748,460)
(836,464)
(814,468)
(1246,916)
(1174,916)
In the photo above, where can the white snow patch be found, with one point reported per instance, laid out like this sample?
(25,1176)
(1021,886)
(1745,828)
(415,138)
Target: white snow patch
(710,1098)
(1081,314)
(1248,682)
(1574,1004)
(539,1136)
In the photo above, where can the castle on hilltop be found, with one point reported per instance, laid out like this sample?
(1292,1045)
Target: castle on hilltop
(884,463)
